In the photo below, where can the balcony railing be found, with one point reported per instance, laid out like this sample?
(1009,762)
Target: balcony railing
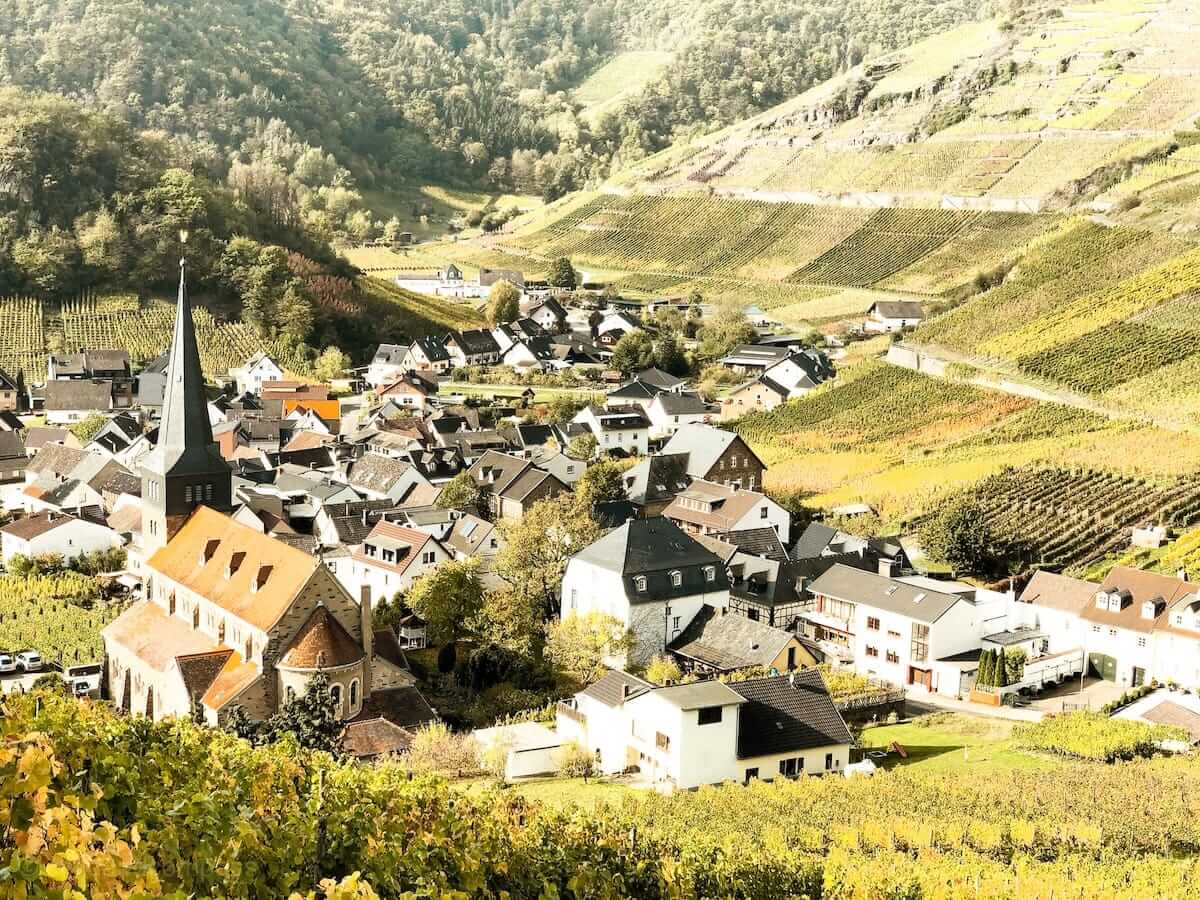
(566,710)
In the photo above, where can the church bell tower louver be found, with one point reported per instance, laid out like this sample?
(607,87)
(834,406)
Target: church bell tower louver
(185,469)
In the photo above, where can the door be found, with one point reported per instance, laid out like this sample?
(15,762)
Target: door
(1139,676)
(1101,665)
(923,677)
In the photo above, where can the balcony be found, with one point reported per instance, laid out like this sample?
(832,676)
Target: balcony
(567,710)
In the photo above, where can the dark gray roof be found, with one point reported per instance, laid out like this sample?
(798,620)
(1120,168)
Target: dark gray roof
(610,690)
(353,521)
(660,477)
(527,482)
(635,390)
(12,450)
(434,348)
(843,582)
(551,304)
(898,309)
(681,404)
(757,541)
(390,354)
(813,541)
(725,641)
(658,378)
(375,472)
(787,713)
(653,549)
(476,342)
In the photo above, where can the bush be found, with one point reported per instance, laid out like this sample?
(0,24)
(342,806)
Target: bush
(436,750)
(1091,735)
(574,761)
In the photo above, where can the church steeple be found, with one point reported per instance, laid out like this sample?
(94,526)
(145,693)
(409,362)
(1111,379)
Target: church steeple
(185,469)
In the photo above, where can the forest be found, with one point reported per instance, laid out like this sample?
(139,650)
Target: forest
(367,94)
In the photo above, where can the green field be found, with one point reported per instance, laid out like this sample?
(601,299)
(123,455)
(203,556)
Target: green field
(625,74)
(955,744)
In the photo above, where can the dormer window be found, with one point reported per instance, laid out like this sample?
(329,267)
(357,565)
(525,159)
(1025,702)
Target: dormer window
(1102,600)
(710,573)
(1148,609)
(640,584)
(676,578)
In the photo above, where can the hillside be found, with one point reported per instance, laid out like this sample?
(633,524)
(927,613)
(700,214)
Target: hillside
(110,806)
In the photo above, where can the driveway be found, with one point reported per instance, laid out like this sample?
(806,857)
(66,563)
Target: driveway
(1068,695)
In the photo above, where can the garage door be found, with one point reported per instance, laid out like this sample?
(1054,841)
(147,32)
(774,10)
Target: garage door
(1102,666)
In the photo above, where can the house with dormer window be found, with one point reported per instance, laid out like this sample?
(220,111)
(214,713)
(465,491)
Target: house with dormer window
(390,559)
(651,577)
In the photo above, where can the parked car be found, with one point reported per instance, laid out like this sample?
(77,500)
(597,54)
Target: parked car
(84,679)
(7,663)
(29,661)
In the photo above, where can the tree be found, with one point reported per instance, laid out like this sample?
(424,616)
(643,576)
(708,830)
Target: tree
(663,669)
(579,645)
(447,598)
(504,303)
(309,718)
(959,535)
(668,355)
(603,482)
(538,545)
(582,446)
(574,761)
(461,493)
(984,677)
(392,231)
(513,620)
(725,329)
(562,408)
(437,749)
(633,352)
(331,364)
(88,427)
(562,274)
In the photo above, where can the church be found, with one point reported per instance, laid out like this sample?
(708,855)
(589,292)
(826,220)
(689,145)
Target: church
(229,616)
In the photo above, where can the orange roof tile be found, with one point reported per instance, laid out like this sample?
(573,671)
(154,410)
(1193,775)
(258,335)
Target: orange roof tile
(322,643)
(329,410)
(182,561)
(233,678)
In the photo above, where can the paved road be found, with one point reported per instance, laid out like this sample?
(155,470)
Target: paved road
(19,683)
(930,702)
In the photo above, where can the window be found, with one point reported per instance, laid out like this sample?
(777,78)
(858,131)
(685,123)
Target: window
(676,623)
(792,767)
(920,643)
(1095,629)
(1112,632)
(640,584)
(893,656)
(354,694)
(893,634)
(574,597)
(709,715)
(764,513)
(661,741)
(751,774)
(335,693)
(208,491)
(187,493)
(839,609)
(1141,642)
(676,578)
(872,651)
(291,694)
(828,761)
(428,557)
(872,623)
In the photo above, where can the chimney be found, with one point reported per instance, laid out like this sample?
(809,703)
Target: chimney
(368,636)
(1182,574)
(792,679)
(364,517)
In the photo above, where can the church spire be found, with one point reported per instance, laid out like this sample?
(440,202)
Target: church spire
(185,430)
(185,469)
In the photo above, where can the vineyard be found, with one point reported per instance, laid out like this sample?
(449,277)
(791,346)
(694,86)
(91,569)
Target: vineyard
(60,616)
(1060,518)
(198,812)
(1093,735)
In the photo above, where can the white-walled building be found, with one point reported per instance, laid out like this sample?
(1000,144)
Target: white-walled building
(255,372)
(709,732)
(55,533)
(621,428)
(390,559)
(706,507)
(648,575)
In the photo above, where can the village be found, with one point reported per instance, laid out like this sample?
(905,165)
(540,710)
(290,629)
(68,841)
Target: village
(269,531)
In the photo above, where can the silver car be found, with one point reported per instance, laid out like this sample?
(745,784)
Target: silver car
(29,661)
(7,663)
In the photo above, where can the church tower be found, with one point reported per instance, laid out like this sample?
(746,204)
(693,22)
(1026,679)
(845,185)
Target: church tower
(185,469)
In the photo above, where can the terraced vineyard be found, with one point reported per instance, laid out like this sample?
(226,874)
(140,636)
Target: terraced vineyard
(1111,356)
(22,344)
(44,613)
(1067,518)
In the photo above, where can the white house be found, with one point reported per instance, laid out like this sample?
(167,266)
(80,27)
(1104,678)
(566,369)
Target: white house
(648,575)
(447,282)
(255,372)
(390,559)
(549,314)
(668,412)
(886,316)
(530,353)
(714,509)
(709,732)
(620,428)
(896,630)
(379,477)
(472,348)
(55,533)
(387,364)
(427,354)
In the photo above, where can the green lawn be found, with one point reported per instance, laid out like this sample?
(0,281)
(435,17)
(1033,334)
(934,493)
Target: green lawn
(954,743)
(557,791)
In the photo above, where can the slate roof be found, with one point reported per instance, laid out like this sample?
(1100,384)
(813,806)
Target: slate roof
(12,450)
(389,354)
(654,548)
(787,713)
(41,435)
(476,342)
(634,390)
(56,459)
(610,690)
(35,526)
(813,540)
(757,542)
(844,582)
(728,641)
(527,482)
(488,277)
(756,355)
(699,694)
(433,348)
(681,404)
(658,478)
(658,378)
(351,525)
